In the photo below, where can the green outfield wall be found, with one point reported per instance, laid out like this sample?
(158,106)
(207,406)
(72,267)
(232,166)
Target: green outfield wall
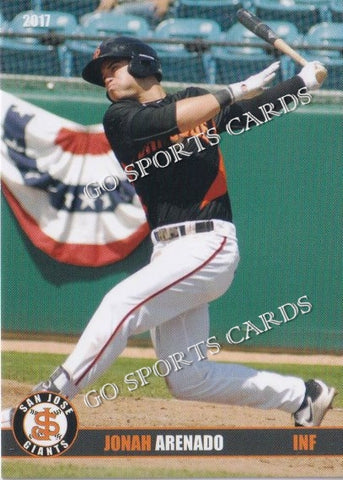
(284,179)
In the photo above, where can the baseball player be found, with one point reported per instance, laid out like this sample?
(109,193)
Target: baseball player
(168,145)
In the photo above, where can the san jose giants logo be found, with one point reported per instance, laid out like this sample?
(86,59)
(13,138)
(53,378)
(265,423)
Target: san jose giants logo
(45,424)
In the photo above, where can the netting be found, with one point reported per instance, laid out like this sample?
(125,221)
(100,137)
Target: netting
(198,41)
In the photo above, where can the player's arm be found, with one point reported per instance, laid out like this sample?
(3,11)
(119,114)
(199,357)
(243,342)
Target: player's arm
(285,90)
(155,121)
(190,112)
(306,78)
(152,122)
(193,111)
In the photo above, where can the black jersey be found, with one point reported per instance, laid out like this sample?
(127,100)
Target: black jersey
(179,176)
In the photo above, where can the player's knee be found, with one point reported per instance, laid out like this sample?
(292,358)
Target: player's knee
(190,384)
(183,391)
(176,389)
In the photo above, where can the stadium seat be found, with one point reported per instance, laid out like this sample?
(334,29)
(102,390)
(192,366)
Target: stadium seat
(322,5)
(302,16)
(144,9)
(189,28)
(41,56)
(326,34)
(336,11)
(221,11)
(111,23)
(188,60)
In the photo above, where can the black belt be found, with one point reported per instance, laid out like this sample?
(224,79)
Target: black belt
(164,234)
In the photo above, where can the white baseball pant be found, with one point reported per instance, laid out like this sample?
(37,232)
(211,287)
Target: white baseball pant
(170,297)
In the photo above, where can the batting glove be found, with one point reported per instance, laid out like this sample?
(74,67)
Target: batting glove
(254,85)
(313,75)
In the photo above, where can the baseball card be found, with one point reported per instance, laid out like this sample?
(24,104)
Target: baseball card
(171,239)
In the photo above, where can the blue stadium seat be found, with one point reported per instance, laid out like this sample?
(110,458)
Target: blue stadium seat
(143,9)
(221,11)
(322,5)
(234,63)
(303,16)
(40,56)
(111,23)
(336,11)
(323,35)
(189,28)
(190,59)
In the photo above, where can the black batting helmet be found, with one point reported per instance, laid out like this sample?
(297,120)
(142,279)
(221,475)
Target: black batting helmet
(143,59)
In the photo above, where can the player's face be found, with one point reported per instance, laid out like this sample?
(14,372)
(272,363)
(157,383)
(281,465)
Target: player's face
(118,82)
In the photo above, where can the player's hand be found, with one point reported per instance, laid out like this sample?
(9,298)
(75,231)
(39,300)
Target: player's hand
(313,75)
(254,85)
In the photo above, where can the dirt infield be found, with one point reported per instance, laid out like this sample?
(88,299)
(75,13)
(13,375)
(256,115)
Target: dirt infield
(148,412)
(137,412)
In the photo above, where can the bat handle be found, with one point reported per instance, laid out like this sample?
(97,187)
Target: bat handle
(285,48)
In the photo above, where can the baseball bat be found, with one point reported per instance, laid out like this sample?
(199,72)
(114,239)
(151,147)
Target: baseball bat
(255,25)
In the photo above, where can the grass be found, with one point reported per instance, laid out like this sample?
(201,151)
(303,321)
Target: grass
(33,367)
(68,470)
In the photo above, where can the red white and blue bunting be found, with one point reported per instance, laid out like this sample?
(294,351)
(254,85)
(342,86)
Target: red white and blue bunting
(47,161)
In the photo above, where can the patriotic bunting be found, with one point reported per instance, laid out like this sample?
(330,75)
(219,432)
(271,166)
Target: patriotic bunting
(65,187)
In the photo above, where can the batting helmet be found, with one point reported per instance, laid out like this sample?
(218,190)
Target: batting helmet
(143,60)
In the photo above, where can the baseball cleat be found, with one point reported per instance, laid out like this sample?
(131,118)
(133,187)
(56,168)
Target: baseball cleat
(7,417)
(318,400)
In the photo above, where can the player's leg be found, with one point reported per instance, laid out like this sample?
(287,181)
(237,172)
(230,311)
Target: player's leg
(209,381)
(182,274)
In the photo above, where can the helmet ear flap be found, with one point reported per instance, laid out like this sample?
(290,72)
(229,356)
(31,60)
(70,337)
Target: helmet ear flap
(142,65)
